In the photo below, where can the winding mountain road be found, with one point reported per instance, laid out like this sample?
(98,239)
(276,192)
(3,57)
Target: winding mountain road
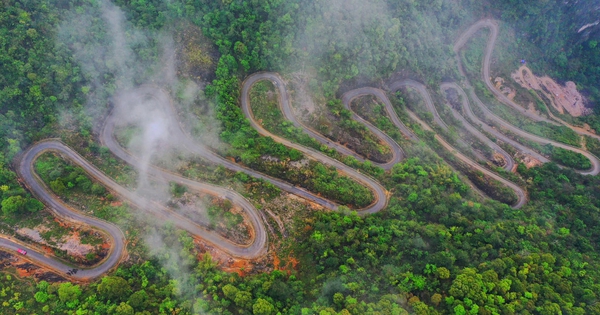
(256,248)
(521,195)
(258,245)
(380,193)
(349,96)
(468,111)
(485,74)
(430,106)
(493,26)
(288,112)
(510,162)
(26,171)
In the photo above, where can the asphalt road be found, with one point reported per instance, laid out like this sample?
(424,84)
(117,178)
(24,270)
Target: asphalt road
(468,111)
(380,193)
(522,197)
(288,112)
(350,95)
(153,210)
(510,163)
(258,246)
(493,26)
(429,105)
(26,172)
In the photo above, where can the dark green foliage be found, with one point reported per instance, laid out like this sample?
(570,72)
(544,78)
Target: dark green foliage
(435,249)
(570,159)
(177,190)
(549,39)
(114,288)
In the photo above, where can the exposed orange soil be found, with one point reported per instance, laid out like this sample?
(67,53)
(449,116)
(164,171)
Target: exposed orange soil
(292,263)
(224,261)
(26,269)
(239,266)
(530,161)
(116,203)
(562,97)
(24,272)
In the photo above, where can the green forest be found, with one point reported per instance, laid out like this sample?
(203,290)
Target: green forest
(438,247)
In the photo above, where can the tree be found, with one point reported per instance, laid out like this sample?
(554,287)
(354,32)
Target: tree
(262,307)
(124,309)
(443,272)
(114,288)
(34,205)
(230,291)
(58,186)
(138,300)
(67,292)
(469,284)
(13,204)
(243,299)
(98,189)
(41,296)
(338,299)
(436,299)
(460,310)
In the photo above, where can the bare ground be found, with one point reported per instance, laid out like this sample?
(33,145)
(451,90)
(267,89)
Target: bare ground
(563,98)
(24,268)
(70,243)
(194,206)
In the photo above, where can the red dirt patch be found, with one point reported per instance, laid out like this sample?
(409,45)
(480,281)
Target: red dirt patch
(24,268)
(116,204)
(562,97)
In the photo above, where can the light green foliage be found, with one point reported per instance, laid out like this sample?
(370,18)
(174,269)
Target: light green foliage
(67,292)
(443,273)
(13,204)
(243,299)
(114,288)
(262,307)
(124,309)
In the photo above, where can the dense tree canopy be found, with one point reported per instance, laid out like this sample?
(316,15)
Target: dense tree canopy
(436,249)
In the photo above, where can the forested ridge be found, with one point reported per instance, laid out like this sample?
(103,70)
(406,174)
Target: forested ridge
(436,249)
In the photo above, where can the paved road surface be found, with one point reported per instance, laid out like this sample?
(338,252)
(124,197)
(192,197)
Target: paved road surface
(259,244)
(378,190)
(493,26)
(288,112)
(522,197)
(510,163)
(255,249)
(468,111)
(430,106)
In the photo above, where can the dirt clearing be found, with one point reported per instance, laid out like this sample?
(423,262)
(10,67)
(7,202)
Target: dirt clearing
(563,98)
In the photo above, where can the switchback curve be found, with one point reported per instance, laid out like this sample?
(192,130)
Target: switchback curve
(510,162)
(255,249)
(380,193)
(493,26)
(521,195)
(288,112)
